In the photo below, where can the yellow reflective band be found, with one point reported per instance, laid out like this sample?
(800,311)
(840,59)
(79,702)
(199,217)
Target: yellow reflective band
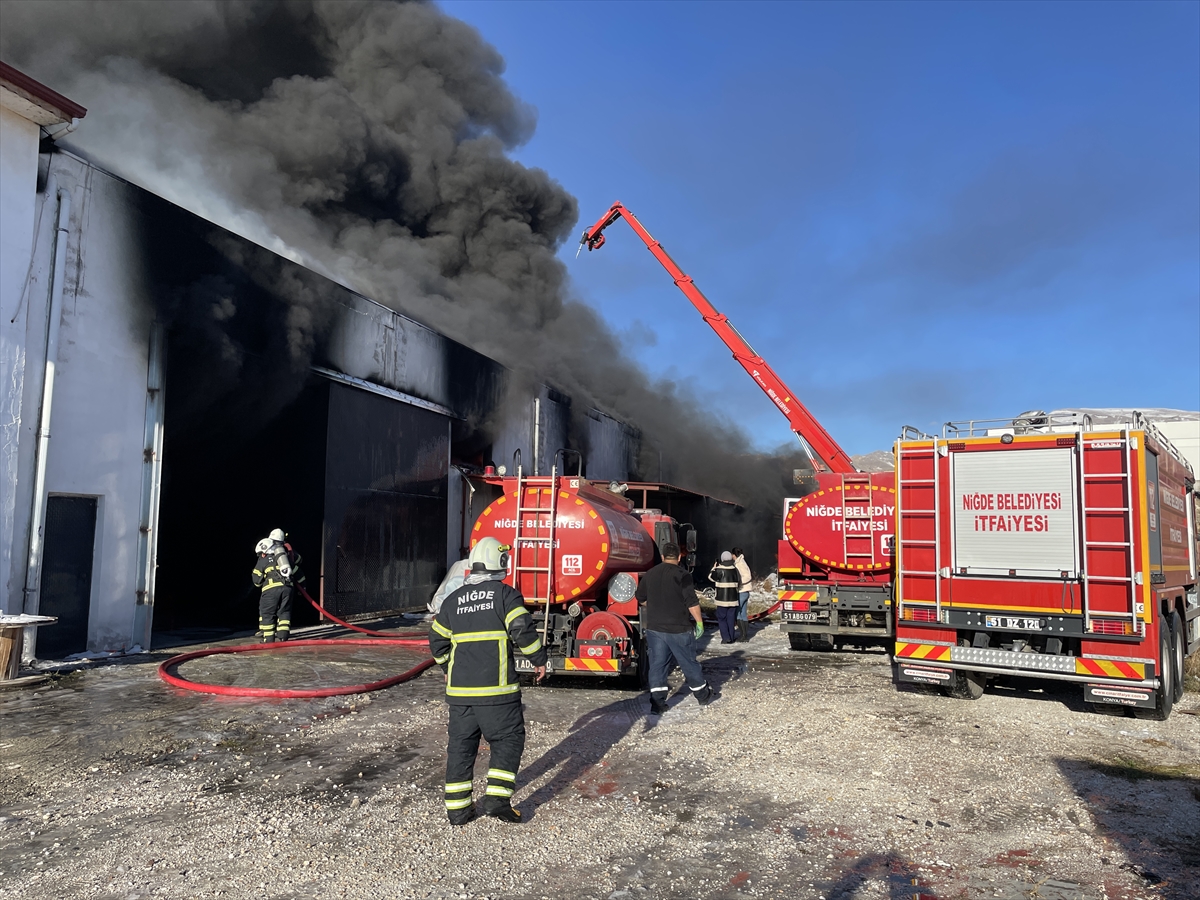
(283,623)
(483,691)
(515,614)
(458,786)
(458,804)
(495,790)
(532,648)
(500,773)
(442,629)
(470,636)
(256,572)
(441,659)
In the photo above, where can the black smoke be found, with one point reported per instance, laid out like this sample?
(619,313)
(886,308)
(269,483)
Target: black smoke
(369,141)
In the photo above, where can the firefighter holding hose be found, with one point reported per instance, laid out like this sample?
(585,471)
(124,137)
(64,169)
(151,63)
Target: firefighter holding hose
(472,639)
(276,572)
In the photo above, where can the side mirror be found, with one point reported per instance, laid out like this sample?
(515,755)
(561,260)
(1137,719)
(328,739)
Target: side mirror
(691,542)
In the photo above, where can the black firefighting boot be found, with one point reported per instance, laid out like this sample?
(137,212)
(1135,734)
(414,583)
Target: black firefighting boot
(506,814)
(744,629)
(463,816)
(706,695)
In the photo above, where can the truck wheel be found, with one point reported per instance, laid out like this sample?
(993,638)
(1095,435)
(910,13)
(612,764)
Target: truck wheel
(799,641)
(1177,642)
(1164,697)
(965,685)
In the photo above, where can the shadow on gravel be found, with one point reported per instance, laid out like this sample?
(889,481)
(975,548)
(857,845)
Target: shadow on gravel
(1151,812)
(901,875)
(589,738)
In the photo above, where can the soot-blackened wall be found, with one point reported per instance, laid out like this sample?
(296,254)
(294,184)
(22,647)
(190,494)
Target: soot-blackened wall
(385,503)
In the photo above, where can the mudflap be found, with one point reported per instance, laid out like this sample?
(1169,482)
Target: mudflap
(907,672)
(1120,695)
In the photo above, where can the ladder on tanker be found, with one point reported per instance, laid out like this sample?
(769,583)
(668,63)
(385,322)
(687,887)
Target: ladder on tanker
(899,554)
(1123,479)
(856,488)
(533,535)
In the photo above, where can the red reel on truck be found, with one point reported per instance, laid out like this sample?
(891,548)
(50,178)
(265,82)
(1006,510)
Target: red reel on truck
(602,626)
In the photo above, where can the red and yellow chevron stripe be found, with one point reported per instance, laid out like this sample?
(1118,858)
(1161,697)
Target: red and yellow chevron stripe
(593,665)
(922,651)
(1110,668)
(797,595)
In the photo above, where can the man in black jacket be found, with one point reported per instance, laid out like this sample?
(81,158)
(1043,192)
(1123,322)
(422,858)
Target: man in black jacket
(671,617)
(472,638)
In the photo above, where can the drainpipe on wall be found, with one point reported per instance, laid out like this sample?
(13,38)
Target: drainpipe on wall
(33,570)
(152,446)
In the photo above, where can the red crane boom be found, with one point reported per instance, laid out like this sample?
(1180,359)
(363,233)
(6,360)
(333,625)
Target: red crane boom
(817,442)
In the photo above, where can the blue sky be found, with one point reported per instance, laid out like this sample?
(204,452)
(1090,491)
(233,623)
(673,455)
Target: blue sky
(914,212)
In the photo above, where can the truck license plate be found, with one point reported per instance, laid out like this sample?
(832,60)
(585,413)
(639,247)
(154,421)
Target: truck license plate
(803,617)
(524,664)
(1013,622)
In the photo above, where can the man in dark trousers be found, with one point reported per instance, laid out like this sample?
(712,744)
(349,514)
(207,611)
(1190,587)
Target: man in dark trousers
(472,638)
(277,570)
(671,616)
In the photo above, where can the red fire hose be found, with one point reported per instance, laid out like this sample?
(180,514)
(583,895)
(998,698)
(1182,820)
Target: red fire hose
(412,639)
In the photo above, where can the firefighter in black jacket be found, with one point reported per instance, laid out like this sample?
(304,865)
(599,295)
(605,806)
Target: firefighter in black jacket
(277,570)
(472,639)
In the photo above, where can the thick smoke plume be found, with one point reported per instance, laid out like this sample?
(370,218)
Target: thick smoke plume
(368,140)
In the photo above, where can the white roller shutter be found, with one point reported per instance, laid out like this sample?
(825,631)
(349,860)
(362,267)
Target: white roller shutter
(1014,513)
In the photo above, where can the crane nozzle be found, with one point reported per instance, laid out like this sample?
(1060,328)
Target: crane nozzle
(594,241)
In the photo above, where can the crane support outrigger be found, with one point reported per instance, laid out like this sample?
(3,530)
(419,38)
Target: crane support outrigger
(818,444)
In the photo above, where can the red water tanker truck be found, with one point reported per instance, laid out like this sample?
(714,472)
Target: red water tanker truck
(835,553)
(1045,547)
(579,550)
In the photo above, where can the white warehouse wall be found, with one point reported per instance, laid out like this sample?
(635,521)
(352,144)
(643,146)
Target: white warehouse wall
(97,427)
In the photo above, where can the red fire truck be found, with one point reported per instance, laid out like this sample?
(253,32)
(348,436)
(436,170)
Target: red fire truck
(579,549)
(1044,547)
(835,553)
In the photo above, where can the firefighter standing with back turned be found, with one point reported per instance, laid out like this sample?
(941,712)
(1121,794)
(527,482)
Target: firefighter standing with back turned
(472,638)
(277,570)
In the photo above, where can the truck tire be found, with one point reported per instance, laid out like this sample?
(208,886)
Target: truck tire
(799,641)
(822,642)
(1177,642)
(1164,697)
(965,685)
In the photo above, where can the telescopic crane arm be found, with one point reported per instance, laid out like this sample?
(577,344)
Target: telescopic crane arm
(821,447)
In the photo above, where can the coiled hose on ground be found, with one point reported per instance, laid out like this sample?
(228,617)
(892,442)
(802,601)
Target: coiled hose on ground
(376,638)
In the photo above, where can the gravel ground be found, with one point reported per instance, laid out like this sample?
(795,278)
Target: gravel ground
(811,777)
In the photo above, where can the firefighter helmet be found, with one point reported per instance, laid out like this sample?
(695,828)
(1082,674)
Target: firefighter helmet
(277,535)
(489,554)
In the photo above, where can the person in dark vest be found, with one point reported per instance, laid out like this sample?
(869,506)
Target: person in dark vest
(276,572)
(670,612)
(472,639)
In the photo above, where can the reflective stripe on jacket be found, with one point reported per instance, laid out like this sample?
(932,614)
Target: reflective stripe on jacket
(472,639)
(725,577)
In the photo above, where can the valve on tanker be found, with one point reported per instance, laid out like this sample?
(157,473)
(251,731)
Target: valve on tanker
(574,610)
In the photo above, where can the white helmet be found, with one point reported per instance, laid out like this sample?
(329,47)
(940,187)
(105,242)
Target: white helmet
(277,535)
(489,554)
